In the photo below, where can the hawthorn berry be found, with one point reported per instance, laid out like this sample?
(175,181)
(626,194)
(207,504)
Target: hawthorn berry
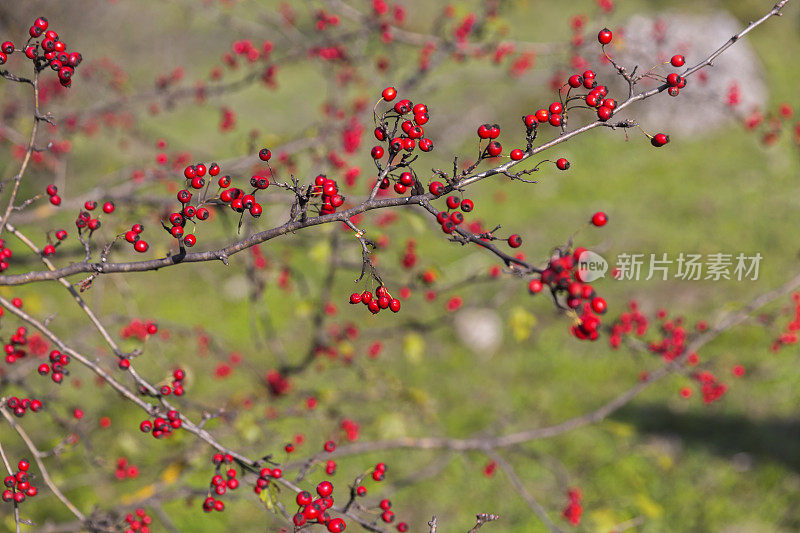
(599,219)
(389,94)
(562,164)
(659,139)
(436,188)
(677,60)
(377,152)
(599,305)
(494,149)
(517,154)
(515,241)
(605,36)
(264,154)
(325,489)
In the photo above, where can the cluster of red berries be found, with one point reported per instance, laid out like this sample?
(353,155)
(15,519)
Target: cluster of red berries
(564,277)
(19,406)
(710,386)
(18,485)
(265,475)
(412,134)
(52,192)
(57,367)
(573,511)
(377,302)
(85,219)
(675,81)
(379,472)
(161,427)
(50,248)
(387,515)
(133,236)
(310,509)
(125,470)
(455,205)
(491,132)
(5,255)
(220,485)
(628,323)
(13,346)
(138,523)
(175,388)
(195,179)
(139,328)
(402,183)
(50,52)
(178,375)
(597,98)
(235,197)
(328,190)
(789,335)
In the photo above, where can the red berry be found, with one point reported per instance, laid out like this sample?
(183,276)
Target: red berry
(325,489)
(575,81)
(673,79)
(377,152)
(517,154)
(556,108)
(336,525)
(604,113)
(555,120)
(599,305)
(599,219)
(677,60)
(436,188)
(426,145)
(494,149)
(535,286)
(659,139)
(605,36)
(515,241)
(264,154)
(389,94)
(562,164)
(141,246)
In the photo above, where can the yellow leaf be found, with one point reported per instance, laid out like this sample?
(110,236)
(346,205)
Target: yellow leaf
(171,473)
(648,507)
(141,494)
(320,252)
(413,347)
(269,495)
(620,429)
(521,322)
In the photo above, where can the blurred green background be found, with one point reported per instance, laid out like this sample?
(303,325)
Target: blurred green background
(666,463)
